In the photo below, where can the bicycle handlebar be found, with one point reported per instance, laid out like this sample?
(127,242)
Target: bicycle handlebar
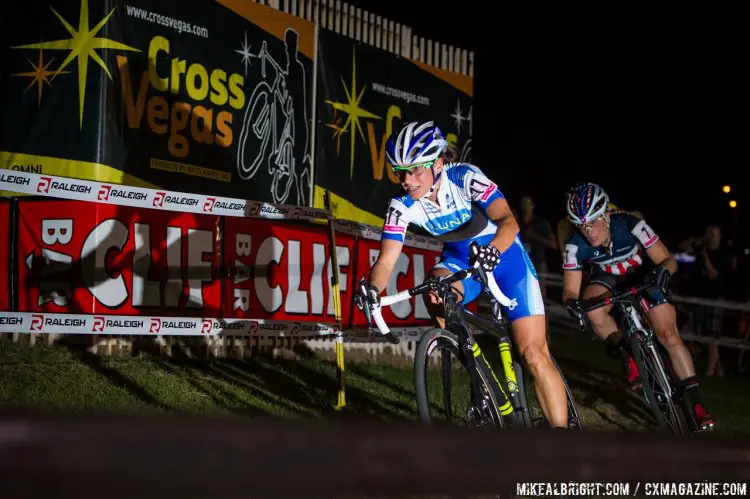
(593,304)
(487,278)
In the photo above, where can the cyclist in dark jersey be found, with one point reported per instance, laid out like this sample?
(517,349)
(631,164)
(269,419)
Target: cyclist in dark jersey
(620,249)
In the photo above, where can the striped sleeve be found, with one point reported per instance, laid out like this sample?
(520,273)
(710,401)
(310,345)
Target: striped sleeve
(396,221)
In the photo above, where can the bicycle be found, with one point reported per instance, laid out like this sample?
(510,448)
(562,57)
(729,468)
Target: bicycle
(660,394)
(491,401)
(268,132)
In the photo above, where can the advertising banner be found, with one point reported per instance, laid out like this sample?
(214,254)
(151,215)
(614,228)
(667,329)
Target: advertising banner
(5,255)
(79,257)
(284,271)
(211,97)
(410,269)
(363,94)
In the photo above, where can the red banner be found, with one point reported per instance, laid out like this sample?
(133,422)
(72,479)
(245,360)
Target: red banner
(80,257)
(84,258)
(283,271)
(410,269)
(4,255)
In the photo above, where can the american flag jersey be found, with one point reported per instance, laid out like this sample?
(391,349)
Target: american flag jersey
(630,237)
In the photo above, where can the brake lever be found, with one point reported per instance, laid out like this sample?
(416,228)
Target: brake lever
(364,307)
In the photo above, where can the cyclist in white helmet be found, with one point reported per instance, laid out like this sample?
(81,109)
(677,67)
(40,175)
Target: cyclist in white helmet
(618,249)
(458,204)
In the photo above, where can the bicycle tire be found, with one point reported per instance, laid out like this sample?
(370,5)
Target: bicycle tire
(661,403)
(428,343)
(574,419)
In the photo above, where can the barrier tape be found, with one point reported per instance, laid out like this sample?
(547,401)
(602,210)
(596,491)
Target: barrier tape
(154,199)
(135,325)
(160,199)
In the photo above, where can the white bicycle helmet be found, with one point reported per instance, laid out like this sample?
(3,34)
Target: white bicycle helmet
(416,144)
(586,202)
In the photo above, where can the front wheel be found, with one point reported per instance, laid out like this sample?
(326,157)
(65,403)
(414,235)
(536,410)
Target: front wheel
(657,389)
(444,387)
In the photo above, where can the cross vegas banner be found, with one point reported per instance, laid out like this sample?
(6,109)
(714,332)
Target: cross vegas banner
(210,97)
(364,93)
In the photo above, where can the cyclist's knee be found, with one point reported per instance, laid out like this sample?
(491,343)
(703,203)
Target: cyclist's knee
(601,320)
(535,357)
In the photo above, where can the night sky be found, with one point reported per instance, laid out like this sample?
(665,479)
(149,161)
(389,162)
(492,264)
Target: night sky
(631,101)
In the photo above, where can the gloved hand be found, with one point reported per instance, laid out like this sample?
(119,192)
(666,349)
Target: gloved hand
(575,310)
(660,276)
(367,294)
(488,257)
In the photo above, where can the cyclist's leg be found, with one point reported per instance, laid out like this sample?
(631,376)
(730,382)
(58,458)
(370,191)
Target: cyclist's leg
(605,326)
(663,318)
(518,280)
(448,265)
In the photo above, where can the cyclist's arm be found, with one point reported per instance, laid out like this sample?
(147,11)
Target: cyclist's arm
(660,255)
(507,226)
(655,249)
(390,249)
(572,272)
(572,280)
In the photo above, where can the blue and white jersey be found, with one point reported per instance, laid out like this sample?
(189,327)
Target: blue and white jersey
(462,184)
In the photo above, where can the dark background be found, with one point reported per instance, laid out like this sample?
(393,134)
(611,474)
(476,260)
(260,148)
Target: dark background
(651,104)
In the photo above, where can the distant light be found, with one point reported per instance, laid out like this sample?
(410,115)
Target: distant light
(733,204)
(726,189)
(747,251)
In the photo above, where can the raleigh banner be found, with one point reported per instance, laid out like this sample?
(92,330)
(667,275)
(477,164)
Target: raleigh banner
(363,94)
(210,97)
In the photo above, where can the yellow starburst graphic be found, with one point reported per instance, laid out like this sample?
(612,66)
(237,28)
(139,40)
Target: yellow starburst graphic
(39,75)
(338,131)
(82,45)
(353,111)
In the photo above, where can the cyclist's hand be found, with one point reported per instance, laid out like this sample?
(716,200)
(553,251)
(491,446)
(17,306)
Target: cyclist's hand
(369,296)
(660,276)
(488,257)
(575,310)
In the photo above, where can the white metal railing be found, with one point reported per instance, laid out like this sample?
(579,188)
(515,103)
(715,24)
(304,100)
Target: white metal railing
(378,31)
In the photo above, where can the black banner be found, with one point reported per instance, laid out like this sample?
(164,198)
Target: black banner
(204,97)
(363,93)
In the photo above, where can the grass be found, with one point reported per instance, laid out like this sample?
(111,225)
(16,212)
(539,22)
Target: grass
(44,377)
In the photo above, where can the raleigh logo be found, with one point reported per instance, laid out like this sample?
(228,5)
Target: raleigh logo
(295,328)
(37,321)
(155,325)
(209,205)
(98,324)
(43,185)
(104,192)
(159,199)
(207,323)
(254,326)
(253,209)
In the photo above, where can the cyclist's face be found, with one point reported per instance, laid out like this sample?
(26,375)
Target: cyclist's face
(418,180)
(596,231)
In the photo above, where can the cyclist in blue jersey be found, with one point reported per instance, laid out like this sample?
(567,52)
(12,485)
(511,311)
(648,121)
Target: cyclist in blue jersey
(618,248)
(457,204)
